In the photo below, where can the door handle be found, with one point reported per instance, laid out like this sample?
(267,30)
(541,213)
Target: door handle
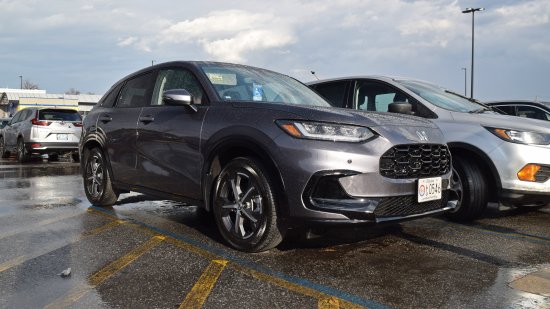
(146,119)
(105,118)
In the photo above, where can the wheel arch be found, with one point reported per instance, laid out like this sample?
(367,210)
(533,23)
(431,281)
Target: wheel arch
(240,146)
(476,155)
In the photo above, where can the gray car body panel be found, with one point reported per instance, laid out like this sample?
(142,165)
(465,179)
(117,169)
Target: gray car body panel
(171,157)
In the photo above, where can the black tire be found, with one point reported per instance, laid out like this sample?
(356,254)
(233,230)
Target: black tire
(75,156)
(245,206)
(22,152)
(471,188)
(97,179)
(3,152)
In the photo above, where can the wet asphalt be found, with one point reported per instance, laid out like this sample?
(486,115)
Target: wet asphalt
(148,253)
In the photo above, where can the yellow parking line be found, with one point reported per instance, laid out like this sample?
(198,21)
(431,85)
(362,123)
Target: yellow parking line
(23,258)
(199,293)
(335,303)
(105,273)
(300,289)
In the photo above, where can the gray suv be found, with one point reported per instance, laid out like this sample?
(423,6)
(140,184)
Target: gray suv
(260,150)
(42,131)
(496,157)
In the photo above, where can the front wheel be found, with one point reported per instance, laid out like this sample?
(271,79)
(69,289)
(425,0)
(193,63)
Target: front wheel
(97,181)
(471,188)
(244,205)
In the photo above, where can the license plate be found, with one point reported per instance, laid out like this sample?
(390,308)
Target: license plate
(62,137)
(429,189)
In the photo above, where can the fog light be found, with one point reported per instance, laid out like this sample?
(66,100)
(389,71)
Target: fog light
(528,172)
(36,145)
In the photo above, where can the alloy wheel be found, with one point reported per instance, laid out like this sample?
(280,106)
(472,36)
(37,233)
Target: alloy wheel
(457,188)
(241,205)
(94,176)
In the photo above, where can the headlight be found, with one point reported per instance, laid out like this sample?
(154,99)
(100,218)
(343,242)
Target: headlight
(521,137)
(325,131)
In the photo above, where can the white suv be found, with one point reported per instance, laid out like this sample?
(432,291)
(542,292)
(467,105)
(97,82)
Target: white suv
(42,131)
(495,157)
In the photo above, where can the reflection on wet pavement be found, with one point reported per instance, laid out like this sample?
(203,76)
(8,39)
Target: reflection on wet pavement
(47,225)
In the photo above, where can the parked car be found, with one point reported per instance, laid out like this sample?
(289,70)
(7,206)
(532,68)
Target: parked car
(527,109)
(261,150)
(495,157)
(4,122)
(42,131)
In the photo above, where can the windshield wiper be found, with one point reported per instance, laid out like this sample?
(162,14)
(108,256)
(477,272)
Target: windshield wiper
(477,111)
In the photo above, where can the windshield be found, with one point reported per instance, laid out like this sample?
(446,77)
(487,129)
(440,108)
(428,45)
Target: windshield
(239,83)
(441,98)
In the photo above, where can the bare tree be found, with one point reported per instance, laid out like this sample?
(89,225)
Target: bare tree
(27,84)
(73,91)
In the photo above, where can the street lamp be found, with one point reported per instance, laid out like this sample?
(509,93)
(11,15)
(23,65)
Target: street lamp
(465,70)
(473,11)
(21,78)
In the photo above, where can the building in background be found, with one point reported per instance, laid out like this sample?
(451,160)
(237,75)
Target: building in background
(13,100)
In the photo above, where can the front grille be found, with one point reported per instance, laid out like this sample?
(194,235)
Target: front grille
(415,161)
(543,174)
(407,206)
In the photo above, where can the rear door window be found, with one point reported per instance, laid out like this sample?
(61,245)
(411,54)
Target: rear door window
(16,118)
(532,112)
(59,115)
(137,92)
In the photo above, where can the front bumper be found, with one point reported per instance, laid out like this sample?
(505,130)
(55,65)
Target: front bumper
(509,159)
(358,192)
(381,201)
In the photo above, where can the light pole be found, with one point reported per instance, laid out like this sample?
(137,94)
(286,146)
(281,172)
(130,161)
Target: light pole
(473,11)
(465,92)
(152,62)
(21,78)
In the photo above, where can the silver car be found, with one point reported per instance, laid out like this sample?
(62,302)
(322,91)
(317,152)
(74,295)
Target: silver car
(495,157)
(42,131)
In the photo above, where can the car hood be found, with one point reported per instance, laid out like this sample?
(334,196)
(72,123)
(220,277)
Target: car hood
(503,121)
(397,127)
(343,115)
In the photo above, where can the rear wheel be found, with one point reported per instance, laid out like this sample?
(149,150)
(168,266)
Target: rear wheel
(97,181)
(3,152)
(22,152)
(471,188)
(245,206)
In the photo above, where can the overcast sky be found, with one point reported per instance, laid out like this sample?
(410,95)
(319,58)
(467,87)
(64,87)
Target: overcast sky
(88,45)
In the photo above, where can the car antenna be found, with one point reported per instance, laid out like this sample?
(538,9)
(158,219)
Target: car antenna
(313,73)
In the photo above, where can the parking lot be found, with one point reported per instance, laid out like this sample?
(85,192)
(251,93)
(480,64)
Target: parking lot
(147,253)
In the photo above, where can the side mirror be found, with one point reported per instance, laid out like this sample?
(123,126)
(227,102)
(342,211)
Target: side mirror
(178,97)
(400,108)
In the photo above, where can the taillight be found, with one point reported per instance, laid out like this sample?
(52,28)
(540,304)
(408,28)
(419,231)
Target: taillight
(77,124)
(37,122)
